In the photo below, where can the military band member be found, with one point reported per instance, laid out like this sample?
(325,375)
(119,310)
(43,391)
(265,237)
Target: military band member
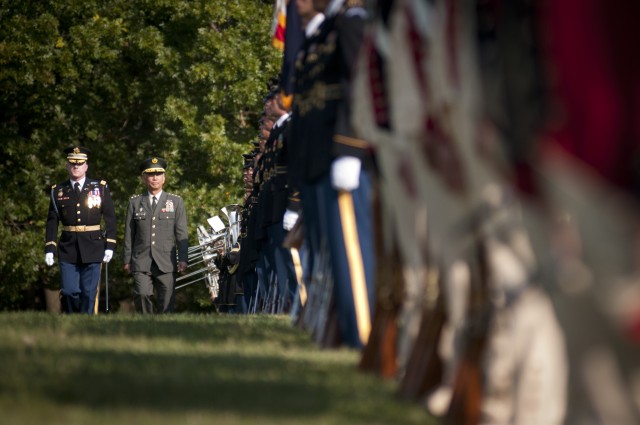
(248,252)
(80,204)
(246,269)
(155,226)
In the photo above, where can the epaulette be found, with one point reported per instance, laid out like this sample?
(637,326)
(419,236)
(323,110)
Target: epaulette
(102,182)
(172,194)
(135,196)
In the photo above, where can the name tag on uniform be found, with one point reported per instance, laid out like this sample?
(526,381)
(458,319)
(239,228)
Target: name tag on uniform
(141,214)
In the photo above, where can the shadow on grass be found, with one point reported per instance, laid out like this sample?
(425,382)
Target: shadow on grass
(196,328)
(251,367)
(247,385)
(199,373)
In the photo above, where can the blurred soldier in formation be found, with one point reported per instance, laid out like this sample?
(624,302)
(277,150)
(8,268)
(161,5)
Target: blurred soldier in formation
(80,204)
(310,20)
(276,197)
(256,263)
(423,116)
(586,170)
(286,208)
(334,168)
(246,265)
(263,209)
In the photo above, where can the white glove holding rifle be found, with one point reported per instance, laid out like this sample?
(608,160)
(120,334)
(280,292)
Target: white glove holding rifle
(345,173)
(289,219)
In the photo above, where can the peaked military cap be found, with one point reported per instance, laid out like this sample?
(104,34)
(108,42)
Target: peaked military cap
(272,91)
(77,154)
(153,164)
(273,83)
(248,160)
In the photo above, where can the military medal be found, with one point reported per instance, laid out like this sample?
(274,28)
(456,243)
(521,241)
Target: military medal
(168,207)
(93,198)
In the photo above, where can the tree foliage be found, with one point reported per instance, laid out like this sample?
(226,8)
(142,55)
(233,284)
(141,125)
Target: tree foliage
(128,79)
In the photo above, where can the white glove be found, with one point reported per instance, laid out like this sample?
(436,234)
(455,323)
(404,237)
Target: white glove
(289,219)
(48,259)
(108,253)
(345,173)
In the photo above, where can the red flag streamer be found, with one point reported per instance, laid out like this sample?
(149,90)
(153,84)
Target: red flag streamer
(278,27)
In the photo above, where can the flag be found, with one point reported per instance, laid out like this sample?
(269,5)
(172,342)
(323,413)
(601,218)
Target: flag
(279,24)
(293,38)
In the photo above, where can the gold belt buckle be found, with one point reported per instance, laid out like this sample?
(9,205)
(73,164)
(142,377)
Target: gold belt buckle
(80,228)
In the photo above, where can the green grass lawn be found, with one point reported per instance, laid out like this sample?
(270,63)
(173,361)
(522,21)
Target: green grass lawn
(183,369)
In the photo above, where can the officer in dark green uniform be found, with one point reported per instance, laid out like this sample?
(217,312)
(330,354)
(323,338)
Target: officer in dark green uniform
(80,204)
(155,226)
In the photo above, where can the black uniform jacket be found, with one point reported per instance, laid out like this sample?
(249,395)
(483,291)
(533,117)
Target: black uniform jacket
(79,245)
(285,192)
(321,124)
